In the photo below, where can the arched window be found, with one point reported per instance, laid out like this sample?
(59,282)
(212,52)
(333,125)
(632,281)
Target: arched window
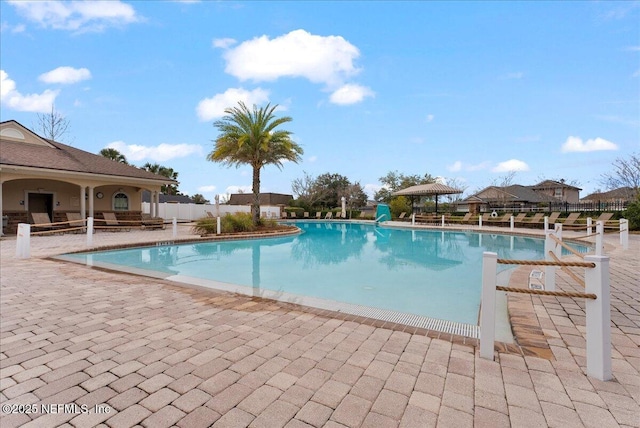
(120,202)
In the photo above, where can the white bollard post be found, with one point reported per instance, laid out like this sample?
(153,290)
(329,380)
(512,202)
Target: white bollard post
(443,220)
(413,219)
(89,231)
(488,305)
(23,241)
(175,227)
(599,238)
(218,227)
(549,271)
(546,224)
(589,226)
(513,223)
(598,320)
(480,221)
(624,233)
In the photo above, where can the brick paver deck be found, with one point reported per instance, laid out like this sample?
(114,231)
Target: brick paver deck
(137,351)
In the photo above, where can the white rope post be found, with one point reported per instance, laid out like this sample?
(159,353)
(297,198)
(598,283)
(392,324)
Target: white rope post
(89,231)
(589,226)
(598,319)
(558,231)
(599,238)
(512,222)
(218,227)
(480,221)
(546,224)
(624,233)
(413,219)
(549,271)
(23,241)
(175,227)
(488,305)
(443,220)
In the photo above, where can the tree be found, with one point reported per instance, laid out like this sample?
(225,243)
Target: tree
(199,199)
(334,188)
(113,154)
(250,137)
(355,196)
(308,192)
(625,174)
(53,126)
(394,181)
(456,184)
(167,189)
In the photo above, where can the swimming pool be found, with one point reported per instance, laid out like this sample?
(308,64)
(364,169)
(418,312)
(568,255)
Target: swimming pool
(423,273)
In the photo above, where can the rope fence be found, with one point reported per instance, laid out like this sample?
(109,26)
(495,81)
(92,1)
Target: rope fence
(546,293)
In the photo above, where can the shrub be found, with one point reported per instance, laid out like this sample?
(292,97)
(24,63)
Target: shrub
(205,225)
(632,213)
(238,222)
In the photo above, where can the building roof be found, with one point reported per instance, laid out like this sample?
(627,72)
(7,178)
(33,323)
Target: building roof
(619,193)
(265,199)
(552,184)
(172,199)
(33,151)
(513,193)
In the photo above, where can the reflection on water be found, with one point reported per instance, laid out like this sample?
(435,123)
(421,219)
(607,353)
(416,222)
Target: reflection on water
(431,273)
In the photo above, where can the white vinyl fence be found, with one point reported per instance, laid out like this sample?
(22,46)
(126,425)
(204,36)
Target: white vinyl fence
(191,212)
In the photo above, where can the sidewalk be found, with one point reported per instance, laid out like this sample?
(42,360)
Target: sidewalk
(151,353)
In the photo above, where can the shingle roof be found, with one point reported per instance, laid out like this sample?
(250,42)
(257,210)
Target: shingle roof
(66,158)
(513,193)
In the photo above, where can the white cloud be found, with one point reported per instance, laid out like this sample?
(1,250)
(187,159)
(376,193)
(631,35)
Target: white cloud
(575,144)
(65,75)
(320,59)
(206,189)
(13,99)
(223,43)
(213,108)
(371,189)
(238,189)
(312,159)
(511,165)
(430,118)
(457,166)
(160,153)
(350,94)
(78,16)
(18,28)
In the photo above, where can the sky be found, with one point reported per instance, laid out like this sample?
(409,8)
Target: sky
(471,92)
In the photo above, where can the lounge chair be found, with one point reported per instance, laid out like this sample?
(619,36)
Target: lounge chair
(75,220)
(328,216)
(402,215)
(533,221)
(111,223)
(210,214)
(464,219)
(553,217)
(318,215)
(571,220)
(42,222)
(306,214)
(499,220)
(292,214)
(149,222)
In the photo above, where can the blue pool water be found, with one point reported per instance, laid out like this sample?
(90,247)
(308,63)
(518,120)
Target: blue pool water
(423,272)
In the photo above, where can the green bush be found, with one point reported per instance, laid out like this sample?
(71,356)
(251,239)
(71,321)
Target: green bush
(632,213)
(205,225)
(399,205)
(238,222)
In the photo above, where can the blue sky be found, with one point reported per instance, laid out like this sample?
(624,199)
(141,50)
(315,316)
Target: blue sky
(467,91)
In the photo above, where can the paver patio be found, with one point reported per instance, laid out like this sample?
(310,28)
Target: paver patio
(158,354)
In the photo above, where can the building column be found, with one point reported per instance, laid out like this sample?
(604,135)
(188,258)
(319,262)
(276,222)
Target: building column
(91,201)
(83,202)
(1,213)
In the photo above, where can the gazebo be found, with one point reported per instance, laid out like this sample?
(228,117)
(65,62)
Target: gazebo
(431,189)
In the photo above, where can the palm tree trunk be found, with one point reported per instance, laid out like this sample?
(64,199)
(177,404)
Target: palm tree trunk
(255,207)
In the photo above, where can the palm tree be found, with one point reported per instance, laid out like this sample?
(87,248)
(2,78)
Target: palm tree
(114,155)
(250,137)
(164,171)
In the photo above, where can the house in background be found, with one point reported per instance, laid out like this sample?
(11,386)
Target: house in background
(520,198)
(273,199)
(616,196)
(44,176)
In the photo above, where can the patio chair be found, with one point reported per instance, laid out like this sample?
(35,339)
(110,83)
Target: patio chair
(75,221)
(328,216)
(210,214)
(571,220)
(112,223)
(318,215)
(42,222)
(149,222)
(533,221)
(306,214)
(464,219)
(292,214)
(402,215)
(553,217)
